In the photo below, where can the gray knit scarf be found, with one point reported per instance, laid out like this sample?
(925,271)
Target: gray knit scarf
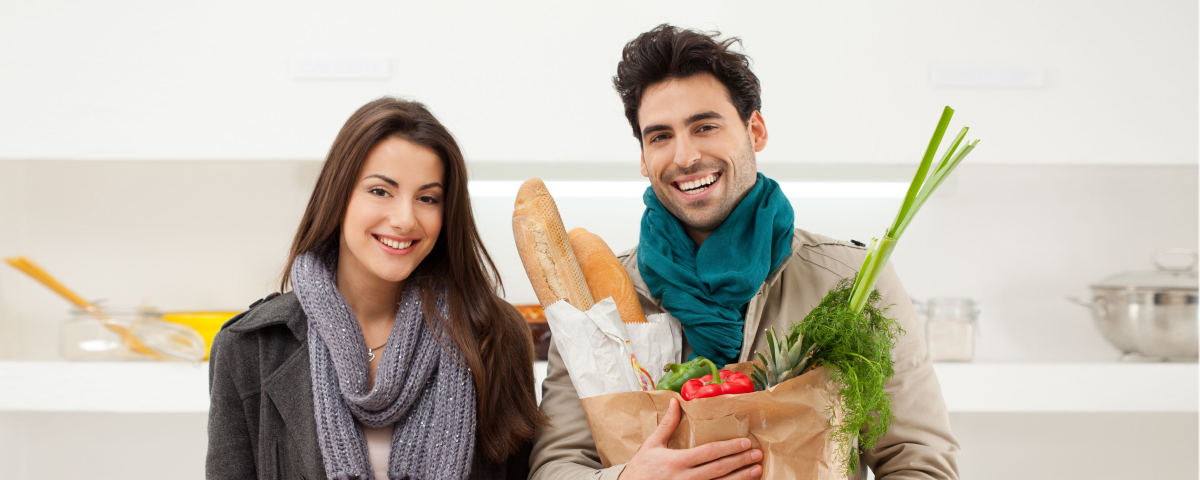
(419,386)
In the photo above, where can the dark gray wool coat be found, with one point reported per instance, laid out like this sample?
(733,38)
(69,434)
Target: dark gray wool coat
(260,424)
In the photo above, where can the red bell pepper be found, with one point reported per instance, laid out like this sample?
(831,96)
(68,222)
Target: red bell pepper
(727,383)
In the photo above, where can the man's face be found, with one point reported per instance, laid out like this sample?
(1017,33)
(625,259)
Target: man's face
(696,151)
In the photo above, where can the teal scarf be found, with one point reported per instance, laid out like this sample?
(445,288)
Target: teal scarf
(707,288)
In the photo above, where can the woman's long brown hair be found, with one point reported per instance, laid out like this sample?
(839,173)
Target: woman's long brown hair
(491,335)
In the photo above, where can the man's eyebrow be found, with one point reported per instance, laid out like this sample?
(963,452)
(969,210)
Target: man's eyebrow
(653,128)
(702,116)
(386,179)
(690,120)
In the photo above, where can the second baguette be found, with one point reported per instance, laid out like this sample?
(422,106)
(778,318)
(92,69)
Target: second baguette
(605,275)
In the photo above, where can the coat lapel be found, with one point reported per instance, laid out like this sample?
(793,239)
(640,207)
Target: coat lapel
(290,390)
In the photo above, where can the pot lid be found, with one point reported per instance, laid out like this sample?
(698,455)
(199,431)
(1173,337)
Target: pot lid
(1168,276)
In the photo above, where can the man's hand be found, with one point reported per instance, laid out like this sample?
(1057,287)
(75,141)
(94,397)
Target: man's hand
(725,460)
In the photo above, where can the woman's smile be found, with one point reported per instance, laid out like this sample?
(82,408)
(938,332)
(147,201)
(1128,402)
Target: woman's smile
(395,246)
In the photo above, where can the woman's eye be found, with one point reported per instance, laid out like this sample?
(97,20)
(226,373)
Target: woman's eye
(430,200)
(378,192)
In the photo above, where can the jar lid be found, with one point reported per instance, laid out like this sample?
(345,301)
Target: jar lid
(1166,277)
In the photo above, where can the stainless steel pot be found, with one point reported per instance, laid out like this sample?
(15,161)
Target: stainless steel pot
(1150,313)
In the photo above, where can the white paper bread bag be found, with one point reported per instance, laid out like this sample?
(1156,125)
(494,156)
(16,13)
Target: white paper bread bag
(599,349)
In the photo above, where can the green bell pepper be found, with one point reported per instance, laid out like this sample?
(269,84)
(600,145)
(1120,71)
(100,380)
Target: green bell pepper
(677,374)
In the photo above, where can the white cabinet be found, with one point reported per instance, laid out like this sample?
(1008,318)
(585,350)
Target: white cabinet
(843,82)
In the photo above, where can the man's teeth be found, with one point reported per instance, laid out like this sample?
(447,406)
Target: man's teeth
(394,244)
(699,182)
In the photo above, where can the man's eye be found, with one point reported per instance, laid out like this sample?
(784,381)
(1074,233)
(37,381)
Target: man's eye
(706,128)
(661,136)
(378,192)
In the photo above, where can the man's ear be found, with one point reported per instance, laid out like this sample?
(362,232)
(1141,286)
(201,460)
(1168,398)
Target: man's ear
(758,131)
(645,173)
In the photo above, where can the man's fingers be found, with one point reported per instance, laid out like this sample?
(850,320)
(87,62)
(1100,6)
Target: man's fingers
(715,450)
(731,467)
(747,473)
(729,464)
(666,427)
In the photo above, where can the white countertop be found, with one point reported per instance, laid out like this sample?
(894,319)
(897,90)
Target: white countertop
(147,387)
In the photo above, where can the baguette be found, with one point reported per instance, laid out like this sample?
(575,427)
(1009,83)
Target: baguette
(544,248)
(605,275)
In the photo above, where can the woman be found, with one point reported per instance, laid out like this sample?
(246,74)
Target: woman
(392,357)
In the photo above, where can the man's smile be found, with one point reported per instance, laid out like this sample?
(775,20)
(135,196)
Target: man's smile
(693,187)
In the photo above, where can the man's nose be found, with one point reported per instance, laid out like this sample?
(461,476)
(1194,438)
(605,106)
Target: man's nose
(686,153)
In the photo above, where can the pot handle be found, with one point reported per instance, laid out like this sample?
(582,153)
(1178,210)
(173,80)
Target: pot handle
(1099,306)
(1192,255)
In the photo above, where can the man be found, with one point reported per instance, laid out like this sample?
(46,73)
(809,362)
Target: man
(719,251)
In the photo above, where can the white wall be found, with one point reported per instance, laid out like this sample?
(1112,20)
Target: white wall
(843,82)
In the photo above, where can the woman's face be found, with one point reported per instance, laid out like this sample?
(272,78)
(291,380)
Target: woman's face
(395,212)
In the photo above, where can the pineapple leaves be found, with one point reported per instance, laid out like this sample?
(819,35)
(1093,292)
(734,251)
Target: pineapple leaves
(786,358)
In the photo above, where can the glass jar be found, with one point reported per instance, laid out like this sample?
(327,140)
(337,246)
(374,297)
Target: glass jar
(950,329)
(105,335)
(128,334)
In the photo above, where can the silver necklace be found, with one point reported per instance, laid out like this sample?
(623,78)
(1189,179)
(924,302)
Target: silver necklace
(371,351)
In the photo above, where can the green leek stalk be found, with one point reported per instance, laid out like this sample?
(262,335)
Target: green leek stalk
(922,186)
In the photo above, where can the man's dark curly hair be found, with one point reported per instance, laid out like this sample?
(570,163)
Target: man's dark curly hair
(668,52)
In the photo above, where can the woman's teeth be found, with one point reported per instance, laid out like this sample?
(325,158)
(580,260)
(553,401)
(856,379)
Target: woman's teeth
(394,244)
(698,183)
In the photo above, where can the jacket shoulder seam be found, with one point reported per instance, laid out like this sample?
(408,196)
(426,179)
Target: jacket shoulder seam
(811,248)
(839,244)
(817,264)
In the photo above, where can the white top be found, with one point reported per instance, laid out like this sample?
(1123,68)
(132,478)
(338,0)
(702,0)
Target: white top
(379,448)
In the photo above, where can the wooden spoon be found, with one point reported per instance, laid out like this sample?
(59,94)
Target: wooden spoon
(38,273)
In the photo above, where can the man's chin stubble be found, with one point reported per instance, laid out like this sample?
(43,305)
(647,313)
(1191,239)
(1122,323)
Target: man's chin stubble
(705,222)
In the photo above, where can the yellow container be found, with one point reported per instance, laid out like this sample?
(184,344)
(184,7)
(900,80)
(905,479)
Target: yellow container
(207,324)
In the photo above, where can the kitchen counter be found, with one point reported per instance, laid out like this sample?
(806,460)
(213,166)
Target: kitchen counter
(147,387)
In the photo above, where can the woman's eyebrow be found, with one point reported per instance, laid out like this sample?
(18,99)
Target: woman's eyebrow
(431,185)
(384,178)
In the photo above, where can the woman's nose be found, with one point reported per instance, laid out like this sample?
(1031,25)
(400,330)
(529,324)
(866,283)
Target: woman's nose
(403,218)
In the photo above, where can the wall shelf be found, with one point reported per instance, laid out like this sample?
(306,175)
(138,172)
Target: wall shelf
(113,387)
(129,387)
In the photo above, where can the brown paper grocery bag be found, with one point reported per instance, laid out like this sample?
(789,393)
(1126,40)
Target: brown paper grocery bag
(789,423)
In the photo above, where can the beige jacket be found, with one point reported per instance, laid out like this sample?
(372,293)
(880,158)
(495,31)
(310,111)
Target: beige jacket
(918,445)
